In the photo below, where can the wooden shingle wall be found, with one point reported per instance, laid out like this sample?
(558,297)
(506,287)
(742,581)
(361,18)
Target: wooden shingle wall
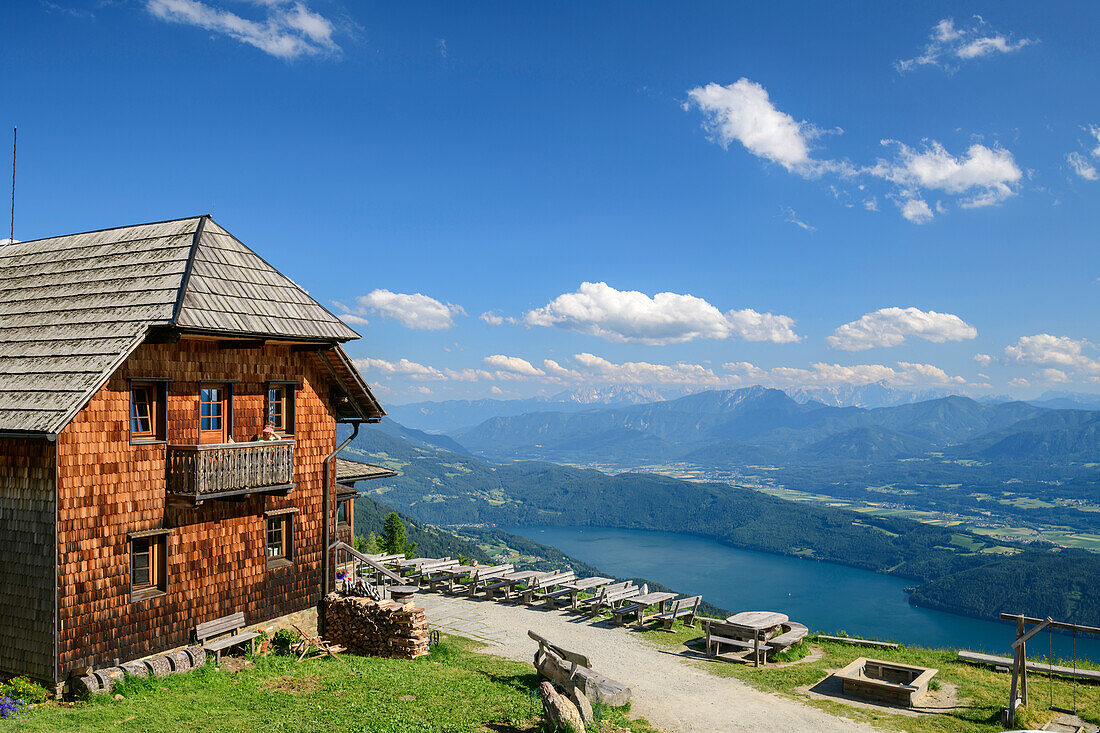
(27,546)
(216,553)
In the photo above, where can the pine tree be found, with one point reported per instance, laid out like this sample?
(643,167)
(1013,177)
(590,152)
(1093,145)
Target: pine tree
(393,538)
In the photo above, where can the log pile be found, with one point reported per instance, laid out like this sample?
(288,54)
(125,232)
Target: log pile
(376,628)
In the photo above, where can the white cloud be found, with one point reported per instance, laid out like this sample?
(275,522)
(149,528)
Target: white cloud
(983,360)
(643,372)
(496,390)
(600,310)
(871,204)
(491,318)
(513,364)
(1095,131)
(289,30)
(1018,382)
(353,319)
(1062,352)
(792,218)
(402,367)
(412,310)
(742,112)
(985,175)
(907,374)
(948,45)
(891,326)
(1082,166)
(915,210)
(1056,376)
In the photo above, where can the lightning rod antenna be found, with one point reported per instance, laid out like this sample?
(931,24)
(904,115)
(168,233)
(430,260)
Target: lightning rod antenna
(14,142)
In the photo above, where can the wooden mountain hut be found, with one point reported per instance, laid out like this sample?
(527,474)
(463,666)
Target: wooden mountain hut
(138,365)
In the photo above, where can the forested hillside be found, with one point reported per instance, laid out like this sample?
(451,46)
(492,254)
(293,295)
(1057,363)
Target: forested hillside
(445,488)
(951,454)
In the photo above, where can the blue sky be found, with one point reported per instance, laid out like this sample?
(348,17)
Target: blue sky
(668,196)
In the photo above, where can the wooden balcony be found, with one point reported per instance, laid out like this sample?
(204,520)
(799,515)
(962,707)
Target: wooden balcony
(230,470)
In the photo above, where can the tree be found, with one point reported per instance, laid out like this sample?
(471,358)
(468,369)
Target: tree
(393,538)
(367,545)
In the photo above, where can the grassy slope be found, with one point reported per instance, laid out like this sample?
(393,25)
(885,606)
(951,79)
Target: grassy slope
(453,689)
(981,691)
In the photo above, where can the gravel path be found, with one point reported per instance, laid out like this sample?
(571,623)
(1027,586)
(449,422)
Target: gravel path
(670,691)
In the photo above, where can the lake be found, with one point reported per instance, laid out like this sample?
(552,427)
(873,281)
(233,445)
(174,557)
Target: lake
(824,596)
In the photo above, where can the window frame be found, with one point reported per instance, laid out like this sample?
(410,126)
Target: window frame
(158,411)
(345,505)
(288,404)
(285,521)
(154,544)
(225,433)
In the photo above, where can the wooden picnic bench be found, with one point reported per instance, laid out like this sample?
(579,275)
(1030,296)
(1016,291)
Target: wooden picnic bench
(507,583)
(548,588)
(589,584)
(582,604)
(615,596)
(685,608)
(793,633)
(720,633)
(433,572)
(478,577)
(638,605)
(232,624)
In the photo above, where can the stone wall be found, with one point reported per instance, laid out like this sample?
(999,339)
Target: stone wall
(376,628)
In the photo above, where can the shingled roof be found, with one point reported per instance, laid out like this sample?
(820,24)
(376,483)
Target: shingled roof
(72,309)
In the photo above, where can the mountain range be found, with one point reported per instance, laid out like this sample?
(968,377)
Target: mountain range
(758,423)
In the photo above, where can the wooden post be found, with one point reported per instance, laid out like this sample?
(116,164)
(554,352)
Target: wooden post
(756,650)
(1023,662)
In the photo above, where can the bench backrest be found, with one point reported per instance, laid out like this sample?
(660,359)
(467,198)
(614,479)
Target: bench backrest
(438,565)
(555,579)
(685,603)
(578,659)
(493,572)
(219,626)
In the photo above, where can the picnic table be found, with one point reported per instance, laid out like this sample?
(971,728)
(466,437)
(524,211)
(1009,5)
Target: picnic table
(577,586)
(508,582)
(639,604)
(758,620)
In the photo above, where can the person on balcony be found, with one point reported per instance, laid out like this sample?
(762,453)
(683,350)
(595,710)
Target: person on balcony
(268,433)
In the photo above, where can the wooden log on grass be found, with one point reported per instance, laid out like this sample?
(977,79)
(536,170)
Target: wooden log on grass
(561,713)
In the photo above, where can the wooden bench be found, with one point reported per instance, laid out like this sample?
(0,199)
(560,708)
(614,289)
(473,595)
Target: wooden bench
(619,595)
(540,587)
(685,608)
(597,599)
(231,624)
(720,634)
(792,634)
(480,577)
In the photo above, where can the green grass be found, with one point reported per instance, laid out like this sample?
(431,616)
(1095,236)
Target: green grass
(454,689)
(981,691)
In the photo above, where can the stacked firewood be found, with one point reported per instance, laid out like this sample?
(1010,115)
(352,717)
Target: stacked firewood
(376,628)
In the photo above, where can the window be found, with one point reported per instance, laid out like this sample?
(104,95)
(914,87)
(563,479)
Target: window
(342,512)
(214,414)
(280,407)
(280,540)
(147,565)
(147,411)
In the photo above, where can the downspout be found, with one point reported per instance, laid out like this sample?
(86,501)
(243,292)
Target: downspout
(326,528)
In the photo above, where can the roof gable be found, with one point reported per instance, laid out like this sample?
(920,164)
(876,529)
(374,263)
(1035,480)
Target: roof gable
(73,308)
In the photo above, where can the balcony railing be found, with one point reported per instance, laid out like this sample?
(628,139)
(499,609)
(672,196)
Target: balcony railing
(202,472)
